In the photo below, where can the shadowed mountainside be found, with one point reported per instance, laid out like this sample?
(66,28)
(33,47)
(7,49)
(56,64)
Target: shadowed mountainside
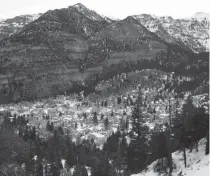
(65,48)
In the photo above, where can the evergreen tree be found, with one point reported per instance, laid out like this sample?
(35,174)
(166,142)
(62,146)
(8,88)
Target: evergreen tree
(112,113)
(127,124)
(85,115)
(39,170)
(33,133)
(105,103)
(124,113)
(80,171)
(186,128)
(49,126)
(119,100)
(137,151)
(95,118)
(60,130)
(207,145)
(102,117)
(26,134)
(84,171)
(54,170)
(52,126)
(106,123)
(137,117)
(71,154)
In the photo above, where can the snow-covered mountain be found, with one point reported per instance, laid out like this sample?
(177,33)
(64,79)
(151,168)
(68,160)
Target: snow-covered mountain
(192,32)
(16,24)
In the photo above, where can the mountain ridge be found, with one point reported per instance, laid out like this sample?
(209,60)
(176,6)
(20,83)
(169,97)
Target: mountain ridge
(191,33)
(64,48)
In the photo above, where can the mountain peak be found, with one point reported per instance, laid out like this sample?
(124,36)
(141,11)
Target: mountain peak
(130,19)
(145,16)
(79,6)
(91,14)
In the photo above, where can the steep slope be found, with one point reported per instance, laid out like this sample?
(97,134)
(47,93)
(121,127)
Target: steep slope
(128,29)
(45,55)
(192,32)
(65,48)
(155,26)
(198,164)
(16,24)
(67,20)
(121,43)
(91,14)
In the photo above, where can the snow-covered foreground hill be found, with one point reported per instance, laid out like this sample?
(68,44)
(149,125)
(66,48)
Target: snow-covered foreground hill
(197,164)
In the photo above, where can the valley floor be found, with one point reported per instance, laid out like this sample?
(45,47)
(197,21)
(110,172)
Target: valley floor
(67,111)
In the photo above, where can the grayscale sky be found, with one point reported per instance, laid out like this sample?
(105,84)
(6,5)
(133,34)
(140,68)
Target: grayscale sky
(112,8)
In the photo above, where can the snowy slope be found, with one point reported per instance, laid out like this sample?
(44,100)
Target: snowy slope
(197,164)
(192,32)
(16,24)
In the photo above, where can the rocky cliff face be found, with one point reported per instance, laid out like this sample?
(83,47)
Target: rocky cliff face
(69,47)
(190,32)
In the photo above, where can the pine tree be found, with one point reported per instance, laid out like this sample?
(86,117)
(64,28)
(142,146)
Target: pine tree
(106,123)
(48,126)
(154,111)
(52,126)
(105,103)
(122,124)
(124,113)
(102,117)
(54,170)
(26,134)
(95,118)
(119,100)
(33,133)
(60,130)
(187,114)
(137,116)
(71,154)
(112,113)
(127,124)
(207,145)
(85,115)
(84,171)
(137,151)
(77,170)
(39,170)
